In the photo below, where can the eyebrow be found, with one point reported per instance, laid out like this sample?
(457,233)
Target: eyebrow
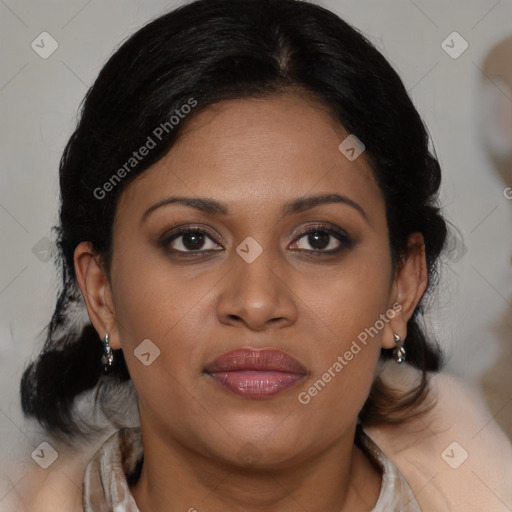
(212,207)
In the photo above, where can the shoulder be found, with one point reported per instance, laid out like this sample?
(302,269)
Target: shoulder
(455,457)
(54,489)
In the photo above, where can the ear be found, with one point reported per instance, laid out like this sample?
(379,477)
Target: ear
(97,293)
(408,287)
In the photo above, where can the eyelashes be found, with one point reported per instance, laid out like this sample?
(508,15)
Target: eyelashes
(186,233)
(191,241)
(312,237)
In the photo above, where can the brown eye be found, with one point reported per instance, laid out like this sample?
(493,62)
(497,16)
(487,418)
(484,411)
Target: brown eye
(322,240)
(190,240)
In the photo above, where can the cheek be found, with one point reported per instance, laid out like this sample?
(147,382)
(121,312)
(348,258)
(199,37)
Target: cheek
(348,312)
(150,295)
(157,334)
(166,305)
(348,299)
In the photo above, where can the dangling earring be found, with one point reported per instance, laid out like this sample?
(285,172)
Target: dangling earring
(107,359)
(399,350)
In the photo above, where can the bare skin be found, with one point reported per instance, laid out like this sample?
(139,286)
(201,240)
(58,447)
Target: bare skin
(253,156)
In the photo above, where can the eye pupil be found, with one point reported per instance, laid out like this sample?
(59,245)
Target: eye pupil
(319,240)
(193,241)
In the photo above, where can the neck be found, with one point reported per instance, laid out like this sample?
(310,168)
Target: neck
(177,478)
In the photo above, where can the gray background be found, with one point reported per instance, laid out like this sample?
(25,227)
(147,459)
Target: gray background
(470,314)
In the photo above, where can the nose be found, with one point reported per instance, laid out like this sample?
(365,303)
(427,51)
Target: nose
(257,294)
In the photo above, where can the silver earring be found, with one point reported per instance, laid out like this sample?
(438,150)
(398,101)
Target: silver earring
(399,350)
(107,359)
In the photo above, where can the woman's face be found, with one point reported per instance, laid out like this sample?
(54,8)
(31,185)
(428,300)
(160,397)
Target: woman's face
(252,279)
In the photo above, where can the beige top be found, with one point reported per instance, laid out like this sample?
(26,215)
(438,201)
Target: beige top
(119,461)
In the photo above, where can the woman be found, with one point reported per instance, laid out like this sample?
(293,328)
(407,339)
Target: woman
(249,216)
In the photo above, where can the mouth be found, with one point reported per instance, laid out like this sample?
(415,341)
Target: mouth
(256,374)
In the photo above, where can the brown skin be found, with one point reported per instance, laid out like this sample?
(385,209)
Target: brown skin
(254,156)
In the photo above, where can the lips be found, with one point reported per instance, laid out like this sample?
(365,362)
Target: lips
(259,360)
(256,374)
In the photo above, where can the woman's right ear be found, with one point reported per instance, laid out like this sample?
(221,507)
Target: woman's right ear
(94,284)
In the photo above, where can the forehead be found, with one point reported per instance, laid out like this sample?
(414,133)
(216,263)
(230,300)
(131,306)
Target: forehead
(248,152)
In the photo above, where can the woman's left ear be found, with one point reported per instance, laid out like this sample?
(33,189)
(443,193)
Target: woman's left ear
(410,283)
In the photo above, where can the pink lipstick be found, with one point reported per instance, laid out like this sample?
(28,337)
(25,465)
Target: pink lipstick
(256,373)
